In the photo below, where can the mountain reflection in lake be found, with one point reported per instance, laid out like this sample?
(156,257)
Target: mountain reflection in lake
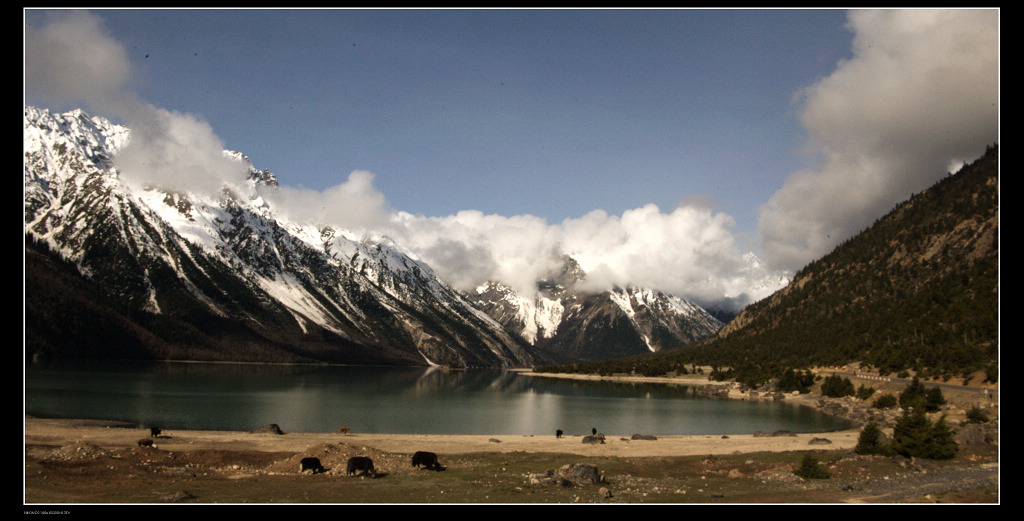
(301,398)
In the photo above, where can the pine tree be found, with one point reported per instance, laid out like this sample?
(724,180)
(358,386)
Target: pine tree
(870,440)
(809,469)
(942,446)
(915,436)
(911,433)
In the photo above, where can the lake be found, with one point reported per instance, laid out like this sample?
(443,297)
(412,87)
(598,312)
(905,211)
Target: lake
(308,398)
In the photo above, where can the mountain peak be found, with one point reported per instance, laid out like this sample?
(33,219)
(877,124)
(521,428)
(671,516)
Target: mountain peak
(199,275)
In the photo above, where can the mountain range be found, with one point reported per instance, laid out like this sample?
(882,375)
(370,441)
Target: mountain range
(917,291)
(117,270)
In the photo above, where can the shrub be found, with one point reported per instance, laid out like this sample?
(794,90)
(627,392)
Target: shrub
(976,415)
(870,441)
(863,393)
(800,381)
(809,469)
(917,395)
(836,386)
(885,401)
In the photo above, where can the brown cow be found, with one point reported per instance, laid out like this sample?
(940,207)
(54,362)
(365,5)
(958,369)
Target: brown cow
(343,430)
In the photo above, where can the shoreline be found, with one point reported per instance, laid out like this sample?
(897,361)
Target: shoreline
(108,435)
(114,434)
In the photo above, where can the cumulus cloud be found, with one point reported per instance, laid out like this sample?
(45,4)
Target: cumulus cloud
(177,152)
(470,247)
(689,251)
(919,95)
(355,203)
(71,58)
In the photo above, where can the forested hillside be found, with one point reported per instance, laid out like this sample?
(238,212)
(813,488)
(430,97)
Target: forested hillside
(918,290)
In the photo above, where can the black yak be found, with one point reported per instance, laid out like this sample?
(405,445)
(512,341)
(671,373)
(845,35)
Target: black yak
(360,464)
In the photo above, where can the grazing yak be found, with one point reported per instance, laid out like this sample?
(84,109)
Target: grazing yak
(558,433)
(146,442)
(312,464)
(360,464)
(427,460)
(343,430)
(154,432)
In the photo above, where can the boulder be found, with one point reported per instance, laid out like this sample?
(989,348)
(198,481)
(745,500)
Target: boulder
(644,437)
(971,434)
(569,475)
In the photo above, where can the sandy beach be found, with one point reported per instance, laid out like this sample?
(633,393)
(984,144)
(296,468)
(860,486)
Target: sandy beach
(58,432)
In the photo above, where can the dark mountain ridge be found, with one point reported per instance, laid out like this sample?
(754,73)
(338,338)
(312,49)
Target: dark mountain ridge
(918,290)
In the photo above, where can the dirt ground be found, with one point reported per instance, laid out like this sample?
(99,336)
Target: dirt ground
(74,462)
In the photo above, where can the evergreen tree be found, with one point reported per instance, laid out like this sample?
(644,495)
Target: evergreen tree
(942,446)
(870,440)
(915,436)
(911,433)
(836,386)
(793,380)
(913,395)
(933,399)
(809,469)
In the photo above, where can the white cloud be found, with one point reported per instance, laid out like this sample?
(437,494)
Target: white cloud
(469,248)
(919,94)
(354,204)
(689,251)
(176,151)
(71,58)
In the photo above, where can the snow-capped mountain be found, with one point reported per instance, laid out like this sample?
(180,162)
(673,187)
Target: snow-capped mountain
(116,269)
(568,324)
(226,276)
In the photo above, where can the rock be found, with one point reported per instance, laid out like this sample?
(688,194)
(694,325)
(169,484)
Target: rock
(643,437)
(605,493)
(819,441)
(971,434)
(594,439)
(569,475)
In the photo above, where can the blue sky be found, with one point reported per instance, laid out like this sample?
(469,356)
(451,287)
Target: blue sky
(551,113)
(779,131)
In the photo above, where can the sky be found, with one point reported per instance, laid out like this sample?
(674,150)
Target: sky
(656,146)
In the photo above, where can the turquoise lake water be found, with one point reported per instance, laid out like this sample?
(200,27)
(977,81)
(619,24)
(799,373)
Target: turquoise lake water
(302,398)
